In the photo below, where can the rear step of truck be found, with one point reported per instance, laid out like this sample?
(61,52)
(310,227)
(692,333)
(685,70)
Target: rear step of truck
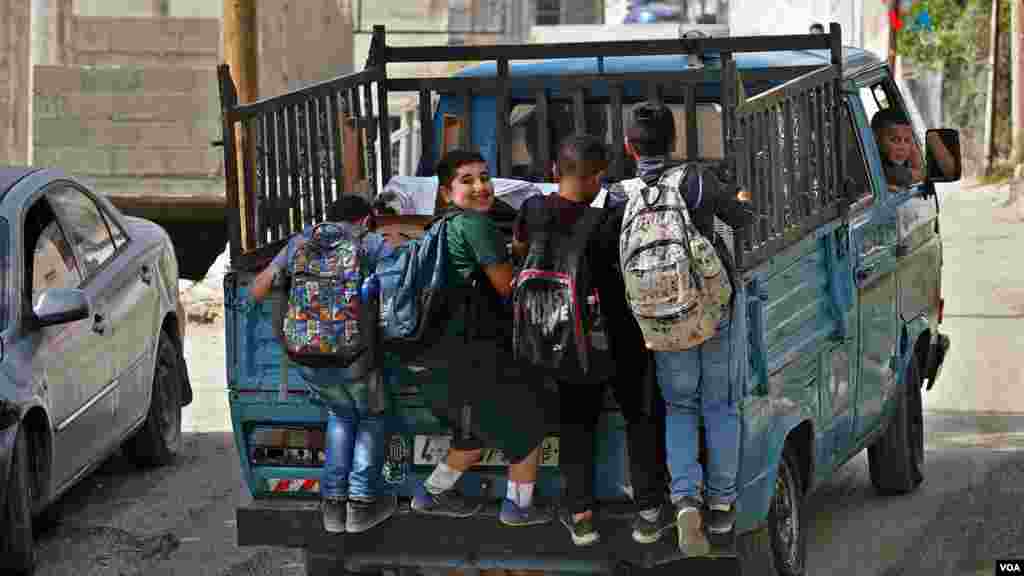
(409,539)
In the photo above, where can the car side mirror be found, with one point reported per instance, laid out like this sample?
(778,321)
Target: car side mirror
(942,155)
(60,306)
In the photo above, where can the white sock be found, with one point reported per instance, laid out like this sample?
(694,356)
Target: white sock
(521,493)
(650,515)
(442,478)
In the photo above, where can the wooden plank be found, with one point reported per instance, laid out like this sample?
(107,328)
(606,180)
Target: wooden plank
(542,112)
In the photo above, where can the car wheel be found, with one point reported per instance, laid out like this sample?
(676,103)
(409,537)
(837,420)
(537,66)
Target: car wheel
(780,548)
(17,553)
(159,440)
(896,460)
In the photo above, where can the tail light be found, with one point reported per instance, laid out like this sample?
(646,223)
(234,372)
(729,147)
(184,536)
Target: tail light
(287,446)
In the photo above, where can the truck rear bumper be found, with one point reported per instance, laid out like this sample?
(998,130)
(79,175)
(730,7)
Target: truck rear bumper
(480,543)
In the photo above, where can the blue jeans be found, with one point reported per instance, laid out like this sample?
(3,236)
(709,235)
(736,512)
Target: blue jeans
(355,438)
(698,382)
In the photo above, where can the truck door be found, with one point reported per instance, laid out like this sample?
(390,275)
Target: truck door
(873,242)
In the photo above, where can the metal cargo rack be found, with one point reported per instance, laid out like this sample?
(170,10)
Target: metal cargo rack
(301,150)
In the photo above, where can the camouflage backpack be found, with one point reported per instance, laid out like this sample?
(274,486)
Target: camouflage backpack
(676,284)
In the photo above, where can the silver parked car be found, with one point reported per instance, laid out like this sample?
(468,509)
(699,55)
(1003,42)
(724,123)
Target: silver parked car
(91,332)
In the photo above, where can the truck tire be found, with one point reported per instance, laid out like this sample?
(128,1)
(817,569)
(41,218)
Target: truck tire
(17,552)
(896,460)
(158,441)
(780,548)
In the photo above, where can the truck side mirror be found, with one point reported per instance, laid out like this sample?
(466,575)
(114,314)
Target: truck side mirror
(942,155)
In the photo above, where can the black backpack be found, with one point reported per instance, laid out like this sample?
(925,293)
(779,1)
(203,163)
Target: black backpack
(555,304)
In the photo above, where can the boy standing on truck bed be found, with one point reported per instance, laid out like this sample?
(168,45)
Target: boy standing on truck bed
(699,381)
(354,450)
(508,405)
(582,162)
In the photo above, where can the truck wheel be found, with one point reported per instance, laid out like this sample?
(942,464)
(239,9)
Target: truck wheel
(17,552)
(159,440)
(896,460)
(780,548)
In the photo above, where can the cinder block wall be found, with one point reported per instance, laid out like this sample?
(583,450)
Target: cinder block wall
(127,121)
(187,42)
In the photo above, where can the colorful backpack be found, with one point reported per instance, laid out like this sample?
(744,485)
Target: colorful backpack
(555,307)
(325,323)
(675,282)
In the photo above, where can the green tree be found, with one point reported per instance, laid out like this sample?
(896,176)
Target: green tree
(957,44)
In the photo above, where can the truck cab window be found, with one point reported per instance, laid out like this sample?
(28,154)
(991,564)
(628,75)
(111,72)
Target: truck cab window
(894,133)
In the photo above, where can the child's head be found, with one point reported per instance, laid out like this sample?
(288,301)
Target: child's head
(582,162)
(894,134)
(351,208)
(463,180)
(652,131)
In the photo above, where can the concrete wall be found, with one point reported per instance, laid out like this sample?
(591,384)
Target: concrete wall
(15,81)
(302,46)
(188,42)
(127,121)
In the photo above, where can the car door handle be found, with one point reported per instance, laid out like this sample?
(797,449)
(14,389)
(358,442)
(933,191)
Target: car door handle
(99,323)
(146,274)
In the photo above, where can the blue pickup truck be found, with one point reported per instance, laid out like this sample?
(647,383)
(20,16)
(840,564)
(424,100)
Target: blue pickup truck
(842,274)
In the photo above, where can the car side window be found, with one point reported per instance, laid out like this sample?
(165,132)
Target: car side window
(85,226)
(53,262)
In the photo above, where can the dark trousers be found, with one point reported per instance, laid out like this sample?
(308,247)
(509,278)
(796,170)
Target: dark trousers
(581,406)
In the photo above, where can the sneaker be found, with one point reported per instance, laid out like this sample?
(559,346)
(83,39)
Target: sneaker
(648,532)
(333,511)
(448,503)
(365,514)
(582,532)
(689,525)
(721,518)
(512,515)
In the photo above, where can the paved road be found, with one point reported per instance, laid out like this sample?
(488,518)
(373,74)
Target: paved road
(179,520)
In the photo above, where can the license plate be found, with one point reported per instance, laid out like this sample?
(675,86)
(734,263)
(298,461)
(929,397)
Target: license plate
(428,450)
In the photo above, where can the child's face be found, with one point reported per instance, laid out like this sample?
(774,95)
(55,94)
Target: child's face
(471,188)
(897,142)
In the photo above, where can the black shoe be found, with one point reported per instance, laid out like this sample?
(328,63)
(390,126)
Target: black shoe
(333,511)
(365,514)
(647,531)
(721,518)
